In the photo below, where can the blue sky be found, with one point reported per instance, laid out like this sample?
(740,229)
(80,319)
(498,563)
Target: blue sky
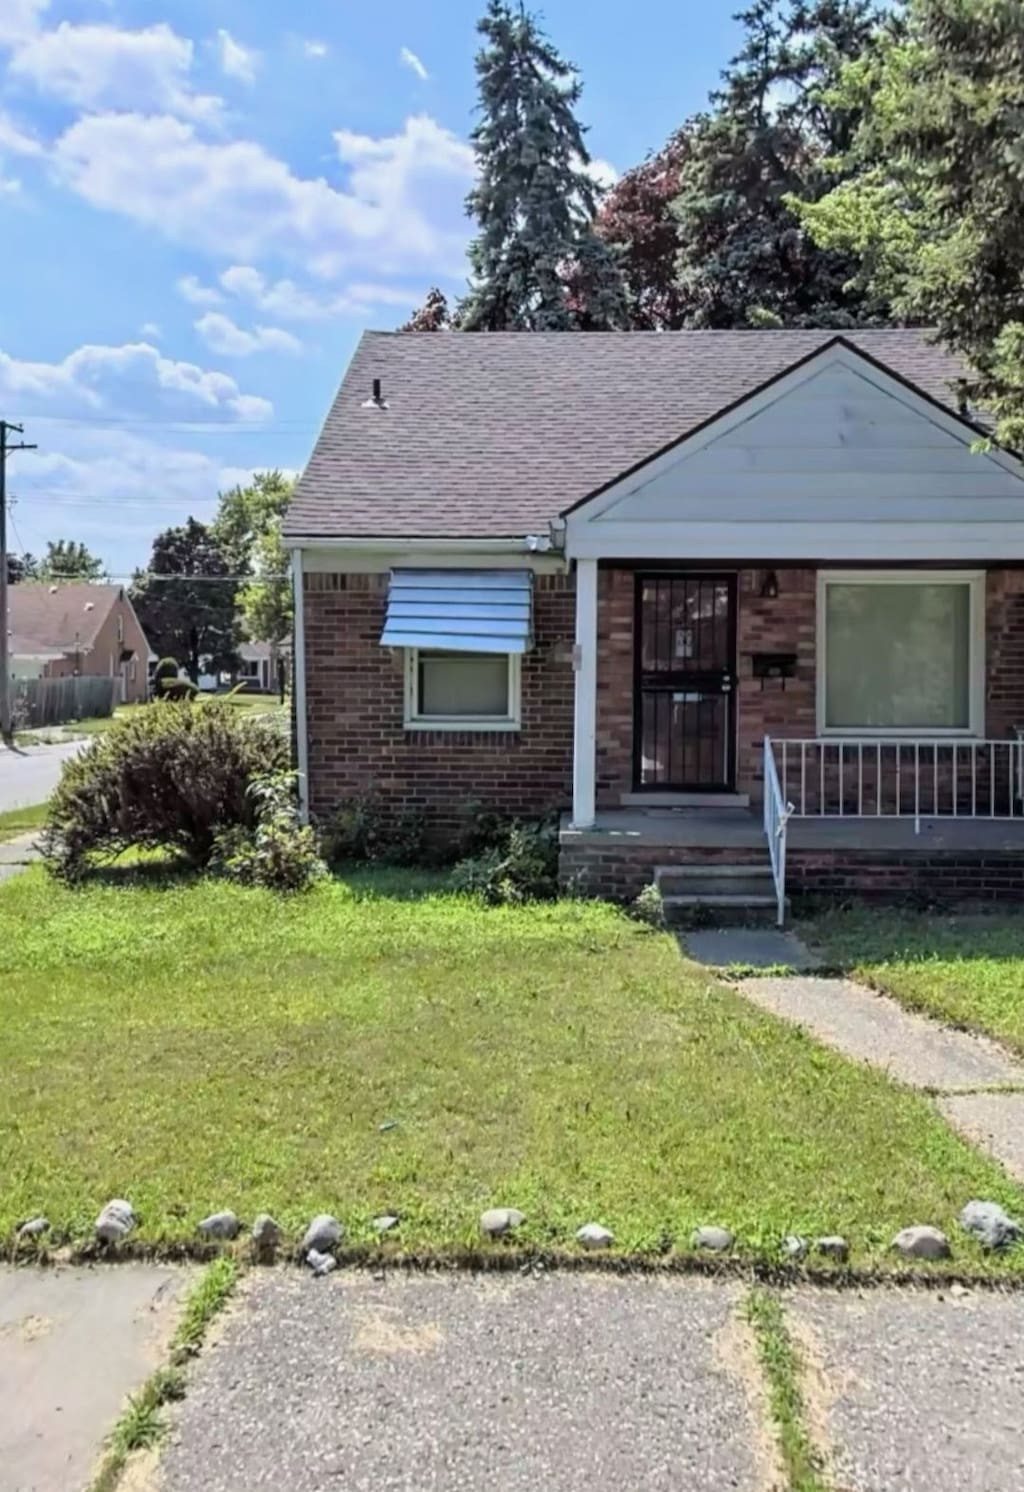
(203,203)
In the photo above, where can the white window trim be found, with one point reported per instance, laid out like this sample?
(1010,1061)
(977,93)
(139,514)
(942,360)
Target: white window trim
(976,679)
(510,722)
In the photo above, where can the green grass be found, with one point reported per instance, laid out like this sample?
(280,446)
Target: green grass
(17,821)
(194,1045)
(783,1369)
(142,1423)
(96,725)
(966,970)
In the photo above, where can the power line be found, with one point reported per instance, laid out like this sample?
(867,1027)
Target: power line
(183,427)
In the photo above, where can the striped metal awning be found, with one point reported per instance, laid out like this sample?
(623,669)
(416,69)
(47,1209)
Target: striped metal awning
(463,611)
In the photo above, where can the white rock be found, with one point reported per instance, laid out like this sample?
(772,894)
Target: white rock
(922,1242)
(718,1240)
(320,1263)
(386,1222)
(594,1236)
(116,1221)
(324,1233)
(266,1233)
(498,1220)
(993,1227)
(34,1228)
(833,1247)
(793,1246)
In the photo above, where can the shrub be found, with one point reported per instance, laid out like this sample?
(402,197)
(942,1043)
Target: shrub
(648,906)
(278,852)
(365,828)
(522,867)
(173,689)
(167,778)
(166,672)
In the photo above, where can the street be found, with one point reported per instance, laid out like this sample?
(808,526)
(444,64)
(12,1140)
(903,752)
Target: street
(29,774)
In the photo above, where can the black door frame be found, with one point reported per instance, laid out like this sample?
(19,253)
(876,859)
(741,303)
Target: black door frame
(677,679)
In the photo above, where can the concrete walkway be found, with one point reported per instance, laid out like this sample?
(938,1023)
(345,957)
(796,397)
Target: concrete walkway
(16,854)
(73,1344)
(573,1382)
(963,1071)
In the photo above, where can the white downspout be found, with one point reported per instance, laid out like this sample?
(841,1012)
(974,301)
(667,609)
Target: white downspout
(299,684)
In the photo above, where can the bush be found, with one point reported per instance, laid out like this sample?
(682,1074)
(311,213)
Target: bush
(522,867)
(279,852)
(648,906)
(365,828)
(173,778)
(173,689)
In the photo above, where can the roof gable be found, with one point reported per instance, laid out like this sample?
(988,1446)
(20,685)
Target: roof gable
(59,618)
(836,458)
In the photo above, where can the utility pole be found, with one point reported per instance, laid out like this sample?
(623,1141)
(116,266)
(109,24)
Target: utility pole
(6,721)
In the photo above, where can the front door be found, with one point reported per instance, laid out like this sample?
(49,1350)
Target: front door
(684,722)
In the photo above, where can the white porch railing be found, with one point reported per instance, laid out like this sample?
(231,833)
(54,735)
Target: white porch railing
(898,778)
(777,813)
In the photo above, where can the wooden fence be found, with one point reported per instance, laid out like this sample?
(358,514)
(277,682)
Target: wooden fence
(54,701)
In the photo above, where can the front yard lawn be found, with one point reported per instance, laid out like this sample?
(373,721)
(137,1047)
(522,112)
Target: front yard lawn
(380,1045)
(17,821)
(967,970)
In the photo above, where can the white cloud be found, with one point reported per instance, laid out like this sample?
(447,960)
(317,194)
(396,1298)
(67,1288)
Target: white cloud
(409,59)
(15,141)
(292,302)
(236,60)
(150,329)
(99,66)
(225,336)
(402,205)
(198,294)
(601,171)
(19,20)
(134,377)
(313,48)
(10,186)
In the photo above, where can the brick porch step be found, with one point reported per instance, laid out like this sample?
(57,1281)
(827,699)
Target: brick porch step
(740,893)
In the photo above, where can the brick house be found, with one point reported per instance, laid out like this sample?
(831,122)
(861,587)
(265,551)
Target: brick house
(746,607)
(57,631)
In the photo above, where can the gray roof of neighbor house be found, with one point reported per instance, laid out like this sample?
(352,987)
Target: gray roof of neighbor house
(57,618)
(494,434)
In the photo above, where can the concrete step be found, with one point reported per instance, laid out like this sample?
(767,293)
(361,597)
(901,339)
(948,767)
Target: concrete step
(712,880)
(723,910)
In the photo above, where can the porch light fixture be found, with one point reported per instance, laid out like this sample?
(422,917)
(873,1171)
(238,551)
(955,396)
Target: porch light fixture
(770,586)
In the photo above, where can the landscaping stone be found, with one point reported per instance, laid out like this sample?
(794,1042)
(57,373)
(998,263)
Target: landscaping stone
(833,1247)
(718,1240)
(794,1247)
(993,1227)
(594,1236)
(323,1233)
(115,1222)
(922,1242)
(34,1228)
(220,1225)
(386,1222)
(266,1234)
(498,1220)
(320,1263)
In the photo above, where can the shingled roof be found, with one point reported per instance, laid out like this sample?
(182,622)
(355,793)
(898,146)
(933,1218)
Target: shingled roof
(488,435)
(54,619)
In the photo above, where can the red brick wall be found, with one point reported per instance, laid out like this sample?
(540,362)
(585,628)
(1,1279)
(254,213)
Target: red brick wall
(355,705)
(615,617)
(1004,628)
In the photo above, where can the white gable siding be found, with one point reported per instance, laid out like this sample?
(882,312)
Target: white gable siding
(837,460)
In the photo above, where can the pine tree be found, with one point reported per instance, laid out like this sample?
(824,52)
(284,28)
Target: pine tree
(744,256)
(536,262)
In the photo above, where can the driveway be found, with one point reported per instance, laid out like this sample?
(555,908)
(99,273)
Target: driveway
(29,774)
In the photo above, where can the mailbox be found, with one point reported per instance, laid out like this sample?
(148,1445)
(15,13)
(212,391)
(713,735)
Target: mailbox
(781,666)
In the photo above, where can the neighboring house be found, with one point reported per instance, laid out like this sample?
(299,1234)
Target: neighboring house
(257,667)
(673,585)
(57,631)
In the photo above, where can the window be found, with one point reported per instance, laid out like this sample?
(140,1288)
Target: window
(901,652)
(461,691)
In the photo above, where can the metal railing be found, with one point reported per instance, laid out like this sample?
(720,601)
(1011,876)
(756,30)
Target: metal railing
(777,813)
(922,778)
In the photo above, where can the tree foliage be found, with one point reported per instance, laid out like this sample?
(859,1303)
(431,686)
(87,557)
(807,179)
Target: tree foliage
(248,530)
(934,196)
(22,567)
(435,314)
(534,201)
(745,258)
(186,600)
(66,559)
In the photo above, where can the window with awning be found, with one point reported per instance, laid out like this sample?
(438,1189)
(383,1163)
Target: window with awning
(460,611)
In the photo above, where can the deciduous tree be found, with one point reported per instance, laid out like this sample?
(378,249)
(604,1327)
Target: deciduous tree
(186,600)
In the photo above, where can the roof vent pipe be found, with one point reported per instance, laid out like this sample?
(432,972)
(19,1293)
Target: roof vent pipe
(376,399)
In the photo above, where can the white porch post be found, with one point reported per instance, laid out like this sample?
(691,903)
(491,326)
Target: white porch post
(299,684)
(585,723)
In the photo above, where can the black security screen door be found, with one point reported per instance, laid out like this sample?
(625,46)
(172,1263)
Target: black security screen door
(683,711)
